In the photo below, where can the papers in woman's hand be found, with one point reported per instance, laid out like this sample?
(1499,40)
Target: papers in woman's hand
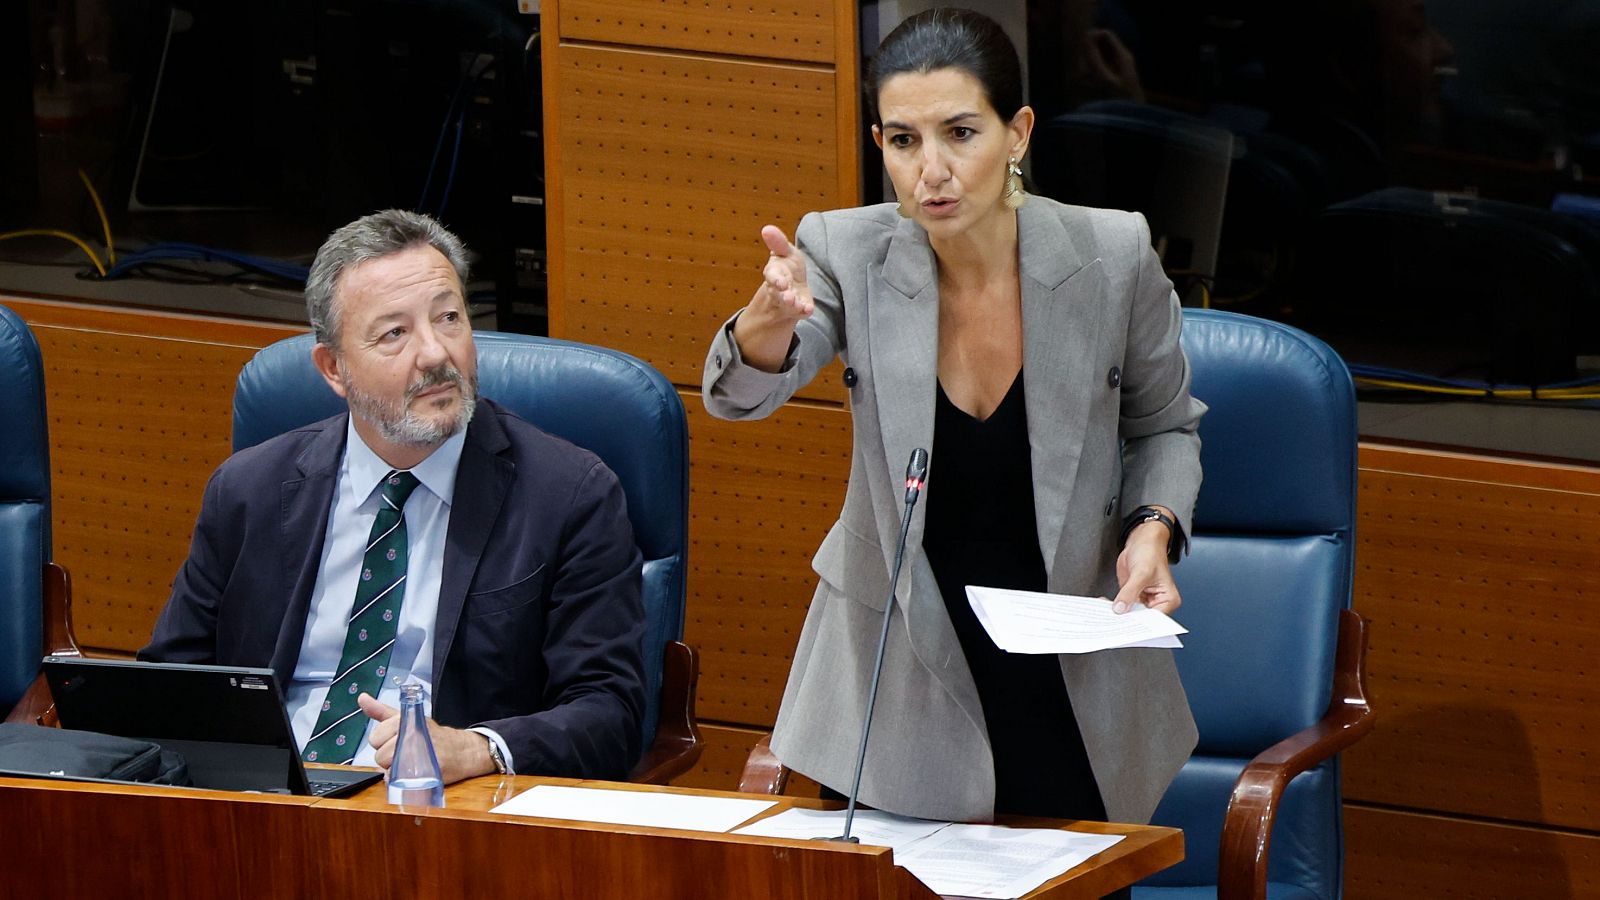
(1029,622)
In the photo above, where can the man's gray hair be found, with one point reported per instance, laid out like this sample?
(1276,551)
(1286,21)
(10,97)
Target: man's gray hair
(370,237)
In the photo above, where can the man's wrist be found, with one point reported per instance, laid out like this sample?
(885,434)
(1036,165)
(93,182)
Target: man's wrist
(497,762)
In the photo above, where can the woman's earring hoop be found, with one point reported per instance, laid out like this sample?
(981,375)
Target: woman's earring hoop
(1014,195)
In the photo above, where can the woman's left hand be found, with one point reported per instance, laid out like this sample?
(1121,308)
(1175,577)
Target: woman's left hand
(1143,574)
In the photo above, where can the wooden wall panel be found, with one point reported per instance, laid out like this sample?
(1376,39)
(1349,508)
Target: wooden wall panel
(764,497)
(140,408)
(671,169)
(674,131)
(1394,855)
(771,29)
(1485,604)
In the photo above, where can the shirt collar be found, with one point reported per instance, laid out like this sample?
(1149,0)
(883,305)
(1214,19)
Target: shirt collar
(437,473)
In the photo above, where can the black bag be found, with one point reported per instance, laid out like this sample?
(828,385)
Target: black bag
(86,754)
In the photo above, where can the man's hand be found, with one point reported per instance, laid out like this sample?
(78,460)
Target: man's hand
(1143,574)
(462,754)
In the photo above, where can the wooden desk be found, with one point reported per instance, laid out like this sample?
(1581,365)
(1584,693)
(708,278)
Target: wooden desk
(91,840)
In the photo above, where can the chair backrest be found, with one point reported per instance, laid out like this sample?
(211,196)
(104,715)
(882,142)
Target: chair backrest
(609,403)
(24,507)
(1270,570)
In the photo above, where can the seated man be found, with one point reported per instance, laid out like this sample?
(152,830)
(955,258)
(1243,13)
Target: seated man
(429,535)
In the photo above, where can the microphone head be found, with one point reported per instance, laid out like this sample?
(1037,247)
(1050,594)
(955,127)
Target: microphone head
(918,467)
(916,473)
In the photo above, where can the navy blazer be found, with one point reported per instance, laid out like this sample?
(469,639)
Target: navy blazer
(540,619)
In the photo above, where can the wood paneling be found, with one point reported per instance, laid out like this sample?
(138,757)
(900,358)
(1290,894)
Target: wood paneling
(801,30)
(1393,855)
(671,166)
(1482,582)
(140,407)
(765,494)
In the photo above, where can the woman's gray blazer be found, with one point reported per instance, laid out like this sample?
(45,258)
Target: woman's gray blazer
(1112,427)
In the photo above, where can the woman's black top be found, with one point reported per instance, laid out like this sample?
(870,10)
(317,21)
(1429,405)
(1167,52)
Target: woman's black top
(981,530)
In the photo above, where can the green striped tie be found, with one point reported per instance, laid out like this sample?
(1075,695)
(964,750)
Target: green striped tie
(373,621)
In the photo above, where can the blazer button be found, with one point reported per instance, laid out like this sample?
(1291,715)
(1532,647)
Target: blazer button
(1114,377)
(719,360)
(849,377)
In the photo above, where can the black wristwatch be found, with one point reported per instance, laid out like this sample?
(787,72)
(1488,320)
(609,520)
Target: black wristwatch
(1177,541)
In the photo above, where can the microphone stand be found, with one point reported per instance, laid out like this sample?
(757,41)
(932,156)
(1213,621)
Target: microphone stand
(915,474)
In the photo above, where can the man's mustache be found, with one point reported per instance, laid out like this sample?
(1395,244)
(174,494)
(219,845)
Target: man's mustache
(436,377)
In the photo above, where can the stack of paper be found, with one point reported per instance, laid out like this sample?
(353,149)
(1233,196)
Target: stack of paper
(655,810)
(1029,622)
(952,860)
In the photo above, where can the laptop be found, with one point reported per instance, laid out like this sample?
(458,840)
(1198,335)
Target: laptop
(228,722)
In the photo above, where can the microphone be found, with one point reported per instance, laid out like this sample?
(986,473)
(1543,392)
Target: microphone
(916,477)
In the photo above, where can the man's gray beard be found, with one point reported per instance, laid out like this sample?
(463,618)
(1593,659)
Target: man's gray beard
(399,424)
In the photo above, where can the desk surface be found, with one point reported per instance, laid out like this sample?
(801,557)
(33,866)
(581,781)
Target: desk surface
(71,839)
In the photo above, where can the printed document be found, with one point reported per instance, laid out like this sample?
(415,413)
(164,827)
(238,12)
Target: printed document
(633,808)
(952,860)
(870,826)
(996,862)
(1030,622)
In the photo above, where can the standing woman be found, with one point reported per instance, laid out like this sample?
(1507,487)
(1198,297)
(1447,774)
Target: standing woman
(1033,348)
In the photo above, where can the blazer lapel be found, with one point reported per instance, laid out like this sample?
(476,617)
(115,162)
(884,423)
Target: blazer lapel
(303,521)
(903,340)
(1061,317)
(483,480)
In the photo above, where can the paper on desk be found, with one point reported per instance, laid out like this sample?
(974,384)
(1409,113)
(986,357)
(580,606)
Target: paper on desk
(633,808)
(1029,622)
(871,826)
(995,862)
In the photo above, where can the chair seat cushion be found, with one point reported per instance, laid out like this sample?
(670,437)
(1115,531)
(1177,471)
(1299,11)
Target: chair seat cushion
(1275,891)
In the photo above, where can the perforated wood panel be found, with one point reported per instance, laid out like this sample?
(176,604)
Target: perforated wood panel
(669,167)
(1485,605)
(770,29)
(723,761)
(764,497)
(1393,855)
(140,407)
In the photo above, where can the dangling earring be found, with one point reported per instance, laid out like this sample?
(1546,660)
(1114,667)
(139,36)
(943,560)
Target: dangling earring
(1014,196)
(900,208)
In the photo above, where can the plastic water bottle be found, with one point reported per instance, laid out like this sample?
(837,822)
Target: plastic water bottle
(414,776)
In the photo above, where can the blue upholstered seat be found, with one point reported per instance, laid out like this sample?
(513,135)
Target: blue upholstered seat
(24,508)
(619,408)
(1266,593)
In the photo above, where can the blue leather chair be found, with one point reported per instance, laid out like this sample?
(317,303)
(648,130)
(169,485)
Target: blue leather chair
(1273,659)
(33,608)
(607,402)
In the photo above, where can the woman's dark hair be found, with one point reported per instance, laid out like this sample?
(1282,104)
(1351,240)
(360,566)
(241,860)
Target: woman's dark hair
(947,38)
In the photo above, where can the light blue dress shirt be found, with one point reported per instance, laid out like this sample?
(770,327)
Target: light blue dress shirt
(355,505)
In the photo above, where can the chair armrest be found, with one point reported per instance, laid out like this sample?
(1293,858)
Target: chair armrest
(58,637)
(677,745)
(763,773)
(1247,830)
(37,706)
